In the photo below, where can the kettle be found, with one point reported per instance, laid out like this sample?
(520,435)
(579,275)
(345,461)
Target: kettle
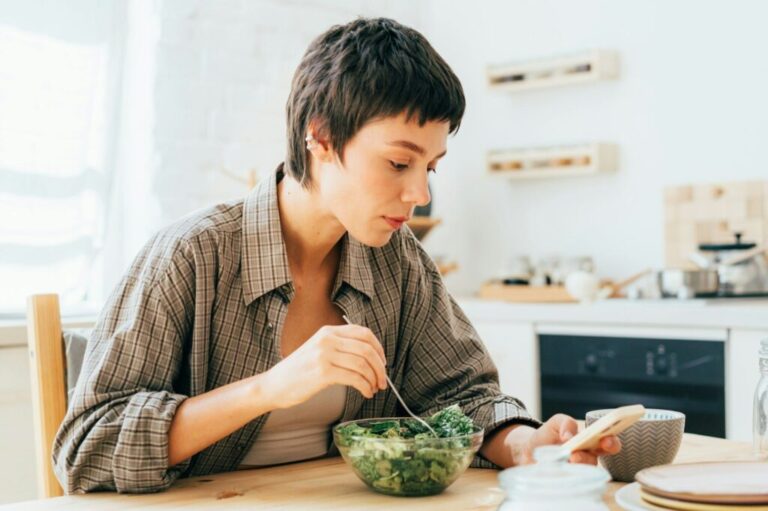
(741,266)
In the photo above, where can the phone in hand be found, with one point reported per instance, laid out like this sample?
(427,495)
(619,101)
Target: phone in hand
(612,423)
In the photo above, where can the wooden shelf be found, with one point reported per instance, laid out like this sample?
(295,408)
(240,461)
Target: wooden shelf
(421,225)
(558,161)
(588,66)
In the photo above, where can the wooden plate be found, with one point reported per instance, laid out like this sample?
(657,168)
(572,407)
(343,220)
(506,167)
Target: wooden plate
(684,505)
(715,482)
(629,498)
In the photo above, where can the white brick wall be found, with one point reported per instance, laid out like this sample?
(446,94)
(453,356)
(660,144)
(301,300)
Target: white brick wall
(222,76)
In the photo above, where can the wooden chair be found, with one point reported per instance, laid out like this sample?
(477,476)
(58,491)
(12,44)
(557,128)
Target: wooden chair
(48,371)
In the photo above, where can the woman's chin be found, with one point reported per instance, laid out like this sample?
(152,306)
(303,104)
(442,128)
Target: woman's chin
(374,239)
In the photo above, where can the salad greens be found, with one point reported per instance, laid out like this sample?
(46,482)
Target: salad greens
(411,460)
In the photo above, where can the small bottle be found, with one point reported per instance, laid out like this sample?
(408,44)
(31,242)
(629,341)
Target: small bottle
(760,414)
(553,483)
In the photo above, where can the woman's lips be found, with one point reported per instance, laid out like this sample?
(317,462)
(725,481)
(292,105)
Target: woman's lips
(395,222)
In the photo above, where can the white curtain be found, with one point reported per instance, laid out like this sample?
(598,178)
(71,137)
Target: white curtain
(57,98)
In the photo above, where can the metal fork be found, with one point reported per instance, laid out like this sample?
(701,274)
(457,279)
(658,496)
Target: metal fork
(402,402)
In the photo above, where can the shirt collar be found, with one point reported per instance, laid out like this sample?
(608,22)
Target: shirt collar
(354,267)
(264,260)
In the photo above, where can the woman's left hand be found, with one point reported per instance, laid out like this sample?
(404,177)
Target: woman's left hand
(558,430)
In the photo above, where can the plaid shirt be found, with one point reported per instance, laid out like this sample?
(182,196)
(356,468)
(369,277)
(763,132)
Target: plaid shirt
(202,306)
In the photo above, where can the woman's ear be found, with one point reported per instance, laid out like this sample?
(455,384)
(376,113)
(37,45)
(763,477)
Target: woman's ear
(318,143)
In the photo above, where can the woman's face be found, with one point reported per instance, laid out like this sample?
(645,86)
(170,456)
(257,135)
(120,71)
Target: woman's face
(384,176)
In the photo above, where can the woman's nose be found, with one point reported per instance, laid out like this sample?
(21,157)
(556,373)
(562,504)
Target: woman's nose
(417,191)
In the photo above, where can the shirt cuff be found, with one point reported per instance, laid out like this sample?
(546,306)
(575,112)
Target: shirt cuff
(140,462)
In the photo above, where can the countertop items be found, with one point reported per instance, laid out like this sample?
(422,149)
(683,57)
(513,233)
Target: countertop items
(716,312)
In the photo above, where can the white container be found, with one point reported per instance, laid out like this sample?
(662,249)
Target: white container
(583,286)
(553,483)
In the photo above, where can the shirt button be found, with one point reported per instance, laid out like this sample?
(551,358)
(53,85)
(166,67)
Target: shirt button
(269,326)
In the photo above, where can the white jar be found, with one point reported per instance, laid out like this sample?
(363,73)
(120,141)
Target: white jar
(553,483)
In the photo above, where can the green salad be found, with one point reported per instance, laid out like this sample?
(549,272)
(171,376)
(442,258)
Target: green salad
(402,457)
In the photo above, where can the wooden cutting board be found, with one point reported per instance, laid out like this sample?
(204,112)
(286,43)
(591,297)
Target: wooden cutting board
(525,294)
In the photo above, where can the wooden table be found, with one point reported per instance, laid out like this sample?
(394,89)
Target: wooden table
(330,484)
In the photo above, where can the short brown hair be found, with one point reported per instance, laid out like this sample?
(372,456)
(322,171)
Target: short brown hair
(366,69)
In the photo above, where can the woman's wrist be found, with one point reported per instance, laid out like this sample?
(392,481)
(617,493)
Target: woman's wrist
(518,442)
(507,446)
(261,395)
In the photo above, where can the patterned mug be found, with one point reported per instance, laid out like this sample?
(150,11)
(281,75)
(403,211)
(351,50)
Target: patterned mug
(651,441)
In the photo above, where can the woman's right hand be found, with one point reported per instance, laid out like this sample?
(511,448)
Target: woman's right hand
(344,354)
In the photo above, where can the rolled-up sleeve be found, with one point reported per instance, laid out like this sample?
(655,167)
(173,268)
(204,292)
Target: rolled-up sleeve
(115,433)
(447,362)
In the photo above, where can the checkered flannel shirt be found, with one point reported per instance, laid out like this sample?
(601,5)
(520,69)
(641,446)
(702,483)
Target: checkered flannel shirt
(203,305)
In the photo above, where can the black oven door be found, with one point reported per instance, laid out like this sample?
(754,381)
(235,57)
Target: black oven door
(584,372)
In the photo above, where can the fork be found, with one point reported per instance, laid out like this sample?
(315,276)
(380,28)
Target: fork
(402,402)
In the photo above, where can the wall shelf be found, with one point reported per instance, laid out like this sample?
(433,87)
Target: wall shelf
(588,66)
(556,161)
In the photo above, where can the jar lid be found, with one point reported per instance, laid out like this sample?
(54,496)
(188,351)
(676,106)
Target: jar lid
(552,476)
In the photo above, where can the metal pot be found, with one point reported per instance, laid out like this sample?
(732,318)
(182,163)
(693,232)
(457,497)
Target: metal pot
(741,266)
(677,283)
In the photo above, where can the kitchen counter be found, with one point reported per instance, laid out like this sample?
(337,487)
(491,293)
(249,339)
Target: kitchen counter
(750,313)
(330,484)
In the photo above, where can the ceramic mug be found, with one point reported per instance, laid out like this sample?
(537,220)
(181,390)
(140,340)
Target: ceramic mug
(651,441)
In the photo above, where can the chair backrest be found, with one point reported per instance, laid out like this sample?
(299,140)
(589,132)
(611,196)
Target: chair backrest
(55,359)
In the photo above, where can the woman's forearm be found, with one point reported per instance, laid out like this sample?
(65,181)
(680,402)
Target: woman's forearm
(202,420)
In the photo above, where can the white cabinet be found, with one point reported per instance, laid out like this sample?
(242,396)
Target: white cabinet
(17,469)
(513,349)
(741,377)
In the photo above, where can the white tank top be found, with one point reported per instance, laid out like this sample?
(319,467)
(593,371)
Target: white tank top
(298,433)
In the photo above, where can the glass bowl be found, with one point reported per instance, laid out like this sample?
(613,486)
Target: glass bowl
(406,466)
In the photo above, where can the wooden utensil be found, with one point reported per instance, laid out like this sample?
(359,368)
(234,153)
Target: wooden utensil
(618,286)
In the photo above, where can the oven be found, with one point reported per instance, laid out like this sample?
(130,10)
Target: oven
(585,369)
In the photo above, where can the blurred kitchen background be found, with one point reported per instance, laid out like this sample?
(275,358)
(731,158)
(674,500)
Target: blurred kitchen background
(603,140)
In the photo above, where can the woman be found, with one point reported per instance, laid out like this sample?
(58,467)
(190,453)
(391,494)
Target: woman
(224,345)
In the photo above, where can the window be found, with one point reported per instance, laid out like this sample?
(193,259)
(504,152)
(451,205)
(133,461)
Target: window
(57,95)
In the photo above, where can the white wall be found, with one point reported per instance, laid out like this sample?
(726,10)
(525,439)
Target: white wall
(210,81)
(206,81)
(689,107)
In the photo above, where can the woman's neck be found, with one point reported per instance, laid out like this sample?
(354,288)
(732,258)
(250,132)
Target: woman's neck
(311,233)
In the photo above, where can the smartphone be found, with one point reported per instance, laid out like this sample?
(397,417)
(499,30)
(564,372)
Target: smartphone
(612,423)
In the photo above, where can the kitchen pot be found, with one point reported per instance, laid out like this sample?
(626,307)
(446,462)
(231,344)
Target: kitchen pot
(679,283)
(741,266)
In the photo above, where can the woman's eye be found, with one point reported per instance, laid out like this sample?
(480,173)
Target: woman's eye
(404,166)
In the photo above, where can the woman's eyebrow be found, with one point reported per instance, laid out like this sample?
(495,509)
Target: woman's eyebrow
(415,148)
